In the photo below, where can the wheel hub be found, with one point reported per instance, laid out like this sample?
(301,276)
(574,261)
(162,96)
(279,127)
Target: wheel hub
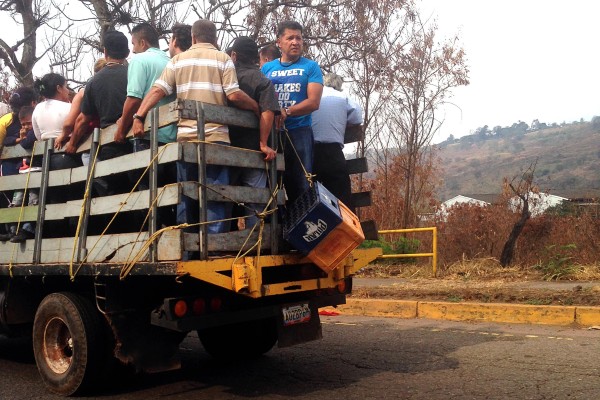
(57,345)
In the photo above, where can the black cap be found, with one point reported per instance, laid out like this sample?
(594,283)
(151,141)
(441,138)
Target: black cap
(246,47)
(116,45)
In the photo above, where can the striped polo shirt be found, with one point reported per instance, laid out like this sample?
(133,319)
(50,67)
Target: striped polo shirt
(202,73)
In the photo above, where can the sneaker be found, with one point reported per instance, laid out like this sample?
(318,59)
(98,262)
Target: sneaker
(21,237)
(25,169)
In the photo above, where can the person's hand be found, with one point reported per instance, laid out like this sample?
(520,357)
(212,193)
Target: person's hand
(138,128)
(70,148)
(59,141)
(269,153)
(119,137)
(23,133)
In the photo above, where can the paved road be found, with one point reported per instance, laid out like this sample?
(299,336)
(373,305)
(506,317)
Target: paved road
(369,358)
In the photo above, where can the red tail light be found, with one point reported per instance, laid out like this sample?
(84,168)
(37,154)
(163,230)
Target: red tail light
(216,304)
(180,308)
(199,307)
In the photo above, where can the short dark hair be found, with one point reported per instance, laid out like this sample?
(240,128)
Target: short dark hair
(21,97)
(46,85)
(25,111)
(271,52)
(183,34)
(116,45)
(204,31)
(246,50)
(147,32)
(292,25)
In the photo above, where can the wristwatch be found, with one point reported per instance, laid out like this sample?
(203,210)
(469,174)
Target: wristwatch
(137,116)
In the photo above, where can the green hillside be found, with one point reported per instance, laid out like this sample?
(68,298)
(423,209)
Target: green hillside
(568,160)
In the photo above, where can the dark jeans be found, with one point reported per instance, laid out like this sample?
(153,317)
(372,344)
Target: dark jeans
(293,178)
(332,171)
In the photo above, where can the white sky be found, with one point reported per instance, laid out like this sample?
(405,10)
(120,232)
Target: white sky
(528,59)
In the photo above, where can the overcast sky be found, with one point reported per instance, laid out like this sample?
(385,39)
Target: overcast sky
(528,59)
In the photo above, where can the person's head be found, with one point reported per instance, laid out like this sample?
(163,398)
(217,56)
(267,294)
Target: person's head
(99,64)
(204,31)
(115,45)
(333,81)
(25,117)
(52,86)
(244,51)
(181,39)
(143,37)
(23,96)
(268,53)
(289,40)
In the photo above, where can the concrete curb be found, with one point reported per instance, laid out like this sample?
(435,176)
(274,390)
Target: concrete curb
(479,312)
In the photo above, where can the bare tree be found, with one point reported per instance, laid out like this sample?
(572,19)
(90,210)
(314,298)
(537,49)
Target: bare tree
(523,187)
(425,74)
(31,15)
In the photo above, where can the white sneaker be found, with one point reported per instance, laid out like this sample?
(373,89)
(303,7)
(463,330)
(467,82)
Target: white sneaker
(30,169)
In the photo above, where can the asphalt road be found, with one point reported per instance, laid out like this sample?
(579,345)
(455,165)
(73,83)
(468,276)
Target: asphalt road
(367,358)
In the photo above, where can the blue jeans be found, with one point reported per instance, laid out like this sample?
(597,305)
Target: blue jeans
(256,178)
(293,178)
(187,209)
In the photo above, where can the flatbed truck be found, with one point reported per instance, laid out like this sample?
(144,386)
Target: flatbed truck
(97,300)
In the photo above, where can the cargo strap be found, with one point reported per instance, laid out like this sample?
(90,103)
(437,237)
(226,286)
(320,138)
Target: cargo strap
(309,177)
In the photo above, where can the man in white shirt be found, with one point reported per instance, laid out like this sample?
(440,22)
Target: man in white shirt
(329,126)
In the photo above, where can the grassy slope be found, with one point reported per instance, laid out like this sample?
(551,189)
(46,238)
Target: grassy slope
(568,162)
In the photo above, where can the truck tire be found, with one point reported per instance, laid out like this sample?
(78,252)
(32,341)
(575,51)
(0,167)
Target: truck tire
(68,342)
(240,341)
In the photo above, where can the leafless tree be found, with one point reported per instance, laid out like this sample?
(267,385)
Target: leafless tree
(31,15)
(524,188)
(425,74)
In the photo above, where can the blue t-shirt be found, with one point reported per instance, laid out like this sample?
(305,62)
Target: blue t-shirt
(144,69)
(291,84)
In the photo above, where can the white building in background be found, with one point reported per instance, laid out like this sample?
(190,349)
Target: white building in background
(538,202)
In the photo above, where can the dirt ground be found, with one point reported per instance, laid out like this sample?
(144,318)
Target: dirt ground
(478,282)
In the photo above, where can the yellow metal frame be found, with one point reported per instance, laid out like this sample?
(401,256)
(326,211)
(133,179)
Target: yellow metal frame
(433,253)
(245,273)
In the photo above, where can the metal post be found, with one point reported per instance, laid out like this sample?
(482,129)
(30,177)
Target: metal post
(153,180)
(274,205)
(434,251)
(201,157)
(37,246)
(82,245)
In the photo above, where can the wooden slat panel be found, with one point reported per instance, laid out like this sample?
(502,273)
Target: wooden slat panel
(110,248)
(357,165)
(12,214)
(230,241)
(369,229)
(103,168)
(219,114)
(231,156)
(239,194)
(361,199)
(169,245)
(354,133)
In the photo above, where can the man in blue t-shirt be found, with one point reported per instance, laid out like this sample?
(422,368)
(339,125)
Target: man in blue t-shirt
(298,83)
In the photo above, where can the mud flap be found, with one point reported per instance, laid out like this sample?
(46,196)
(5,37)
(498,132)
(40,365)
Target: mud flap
(298,323)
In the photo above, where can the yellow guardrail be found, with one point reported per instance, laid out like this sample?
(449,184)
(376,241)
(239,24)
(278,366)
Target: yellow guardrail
(433,253)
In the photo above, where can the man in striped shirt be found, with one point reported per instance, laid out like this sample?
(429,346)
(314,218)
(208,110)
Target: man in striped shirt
(202,73)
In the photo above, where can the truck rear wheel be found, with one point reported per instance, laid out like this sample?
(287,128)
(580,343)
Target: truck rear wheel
(243,340)
(68,342)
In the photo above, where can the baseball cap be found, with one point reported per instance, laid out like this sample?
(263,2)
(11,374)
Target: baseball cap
(116,44)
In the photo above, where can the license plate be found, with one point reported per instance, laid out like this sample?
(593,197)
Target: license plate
(296,314)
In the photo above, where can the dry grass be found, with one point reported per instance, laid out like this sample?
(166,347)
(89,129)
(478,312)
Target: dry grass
(481,269)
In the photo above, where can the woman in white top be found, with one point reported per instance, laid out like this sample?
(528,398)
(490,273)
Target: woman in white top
(48,119)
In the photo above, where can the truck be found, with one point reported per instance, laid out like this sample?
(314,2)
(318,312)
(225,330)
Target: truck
(110,295)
